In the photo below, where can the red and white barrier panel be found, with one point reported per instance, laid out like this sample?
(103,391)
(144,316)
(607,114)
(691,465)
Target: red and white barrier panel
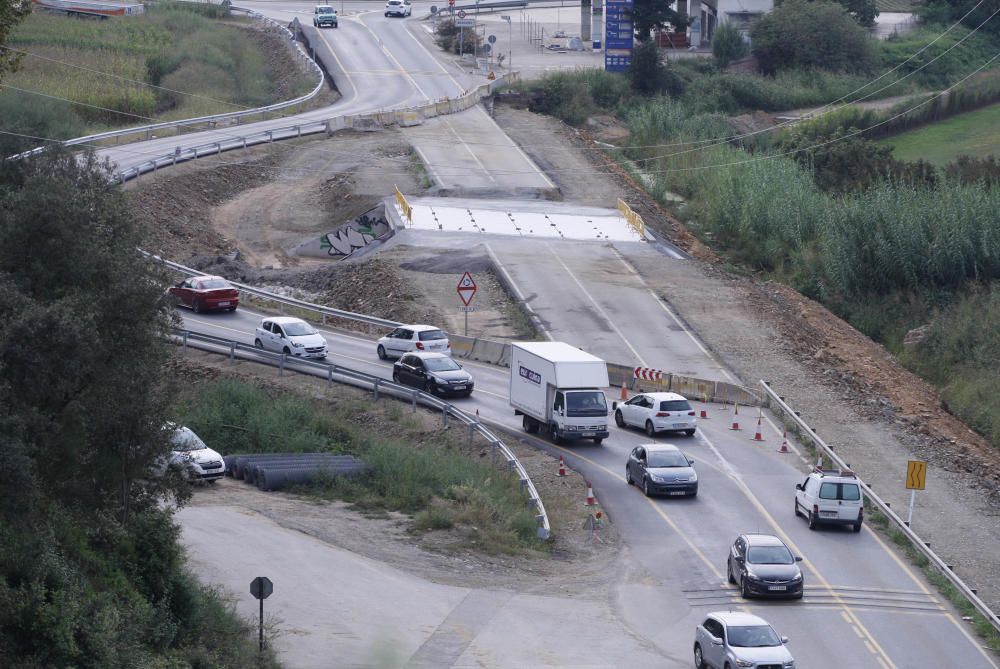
(647,374)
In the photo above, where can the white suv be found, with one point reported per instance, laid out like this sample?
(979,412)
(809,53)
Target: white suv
(401,8)
(735,639)
(830,497)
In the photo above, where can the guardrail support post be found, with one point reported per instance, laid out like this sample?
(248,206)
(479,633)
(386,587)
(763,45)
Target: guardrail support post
(493,452)
(444,416)
(413,400)
(329,374)
(472,432)
(298,131)
(185,345)
(218,148)
(376,389)
(270,135)
(281,368)
(232,351)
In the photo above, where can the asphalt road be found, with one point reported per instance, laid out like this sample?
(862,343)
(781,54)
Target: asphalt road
(864,606)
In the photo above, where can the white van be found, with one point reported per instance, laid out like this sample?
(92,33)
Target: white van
(830,497)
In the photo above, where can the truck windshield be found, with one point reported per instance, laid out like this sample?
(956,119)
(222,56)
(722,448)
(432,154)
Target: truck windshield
(586,403)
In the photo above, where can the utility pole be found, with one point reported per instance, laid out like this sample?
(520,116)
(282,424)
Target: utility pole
(510,58)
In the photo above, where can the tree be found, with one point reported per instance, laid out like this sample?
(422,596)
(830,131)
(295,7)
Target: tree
(648,15)
(648,75)
(728,45)
(83,351)
(863,11)
(821,34)
(12,12)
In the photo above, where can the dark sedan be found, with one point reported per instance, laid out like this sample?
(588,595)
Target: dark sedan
(433,373)
(661,469)
(206,293)
(762,566)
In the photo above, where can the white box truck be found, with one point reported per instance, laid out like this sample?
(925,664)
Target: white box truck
(558,388)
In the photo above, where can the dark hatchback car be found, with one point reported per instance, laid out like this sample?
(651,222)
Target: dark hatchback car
(206,293)
(762,566)
(661,469)
(433,373)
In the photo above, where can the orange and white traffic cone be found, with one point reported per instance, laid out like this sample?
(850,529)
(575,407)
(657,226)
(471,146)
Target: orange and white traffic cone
(736,420)
(591,500)
(624,393)
(562,467)
(757,435)
(704,411)
(784,443)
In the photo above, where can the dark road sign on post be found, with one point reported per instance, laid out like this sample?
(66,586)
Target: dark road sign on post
(261,588)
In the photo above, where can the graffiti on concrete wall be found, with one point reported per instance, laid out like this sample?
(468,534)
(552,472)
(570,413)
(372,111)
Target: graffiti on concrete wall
(352,236)
(349,238)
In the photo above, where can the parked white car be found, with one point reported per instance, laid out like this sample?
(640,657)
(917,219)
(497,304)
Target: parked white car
(736,639)
(291,336)
(191,454)
(401,8)
(830,497)
(657,412)
(413,338)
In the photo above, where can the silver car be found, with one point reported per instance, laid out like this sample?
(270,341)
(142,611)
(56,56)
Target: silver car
(291,336)
(408,338)
(657,412)
(737,639)
(661,469)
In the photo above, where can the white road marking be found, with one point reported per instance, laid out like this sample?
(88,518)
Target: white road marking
(597,306)
(517,291)
(677,320)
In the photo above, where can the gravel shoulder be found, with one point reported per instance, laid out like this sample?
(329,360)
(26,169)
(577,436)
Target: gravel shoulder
(875,413)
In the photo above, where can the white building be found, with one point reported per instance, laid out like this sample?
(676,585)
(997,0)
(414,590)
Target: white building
(707,14)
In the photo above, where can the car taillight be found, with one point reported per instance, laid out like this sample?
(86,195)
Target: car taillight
(690,413)
(420,346)
(662,414)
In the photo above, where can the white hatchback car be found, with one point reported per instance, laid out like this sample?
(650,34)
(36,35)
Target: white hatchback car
(190,453)
(413,338)
(657,412)
(737,639)
(291,336)
(401,8)
(830,497)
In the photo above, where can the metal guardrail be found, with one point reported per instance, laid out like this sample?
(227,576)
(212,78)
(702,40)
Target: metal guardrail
(215,118)
(341,374)
(886,510)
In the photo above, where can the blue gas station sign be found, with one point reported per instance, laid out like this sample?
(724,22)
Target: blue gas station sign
(618,35)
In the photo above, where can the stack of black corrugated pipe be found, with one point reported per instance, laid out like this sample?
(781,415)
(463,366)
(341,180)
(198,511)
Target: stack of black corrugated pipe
(272,471)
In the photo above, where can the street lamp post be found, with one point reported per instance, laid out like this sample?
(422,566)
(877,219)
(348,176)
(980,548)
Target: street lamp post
(510,61)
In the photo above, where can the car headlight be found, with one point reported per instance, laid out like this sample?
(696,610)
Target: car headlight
(797,578)
(744,663)
(297,344)
(790,664)
(752,576)
(657,478)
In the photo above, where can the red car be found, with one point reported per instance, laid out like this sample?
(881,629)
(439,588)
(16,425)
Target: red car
(206,293)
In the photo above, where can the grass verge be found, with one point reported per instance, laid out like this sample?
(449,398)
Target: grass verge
(970,134)
(430,474)
(982,627)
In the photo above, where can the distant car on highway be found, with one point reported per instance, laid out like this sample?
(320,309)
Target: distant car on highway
(762,566)
(412,338)
(731,639)
(291,336)
(324,15)
(205,293)
(661,469)
(657,412)
(830,497)
(401,8)
(433,373)
(189,452)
